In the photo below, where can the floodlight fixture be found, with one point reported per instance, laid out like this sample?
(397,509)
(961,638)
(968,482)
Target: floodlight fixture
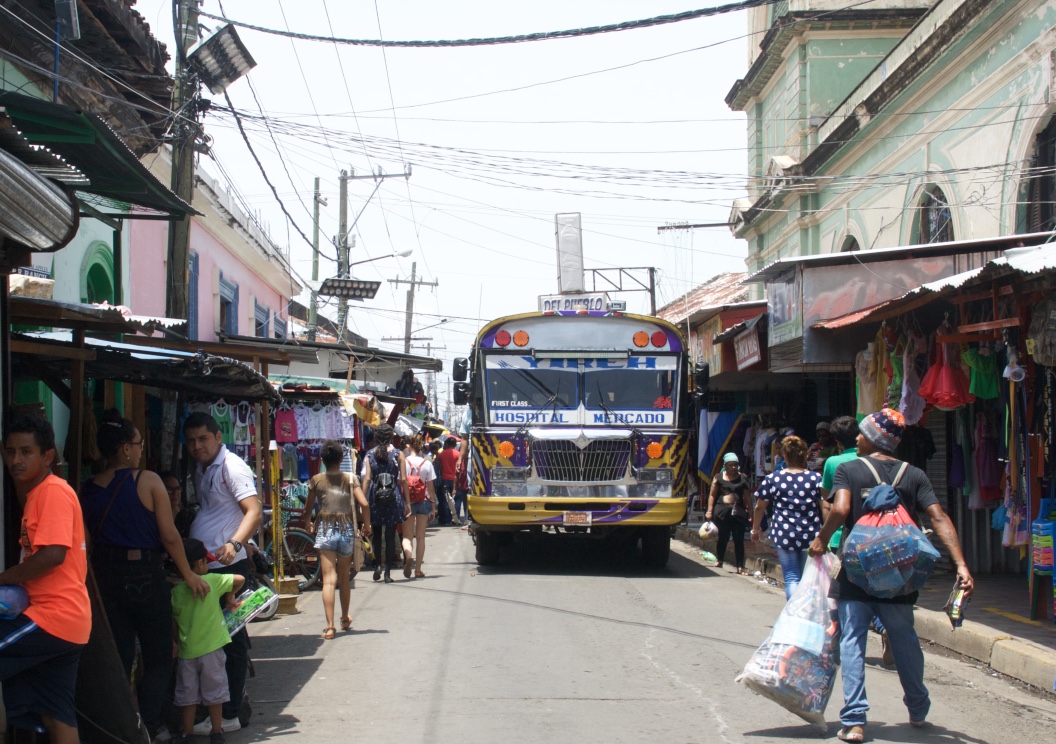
(221,59)
(349,289)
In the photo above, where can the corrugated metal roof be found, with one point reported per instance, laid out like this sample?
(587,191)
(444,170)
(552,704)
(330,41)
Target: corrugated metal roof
(1031,260)
(736,329)
(719,291)
(981,245)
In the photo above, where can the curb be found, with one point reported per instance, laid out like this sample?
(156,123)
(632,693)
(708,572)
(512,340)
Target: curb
(1014,657)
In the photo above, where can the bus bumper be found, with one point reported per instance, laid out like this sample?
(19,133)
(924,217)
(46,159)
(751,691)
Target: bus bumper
(528,512)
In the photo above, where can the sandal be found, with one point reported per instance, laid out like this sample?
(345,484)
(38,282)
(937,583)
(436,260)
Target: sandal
(346,623)
(329,633)
(419,574)
(851,733)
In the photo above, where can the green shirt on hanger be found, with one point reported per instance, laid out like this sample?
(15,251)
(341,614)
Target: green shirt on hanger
(984,382)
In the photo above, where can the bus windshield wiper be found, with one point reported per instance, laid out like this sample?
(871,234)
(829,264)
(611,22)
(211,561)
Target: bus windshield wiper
(601,401)
(532,419)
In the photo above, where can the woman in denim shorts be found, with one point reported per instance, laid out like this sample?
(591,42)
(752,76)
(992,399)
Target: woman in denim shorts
(338,494)
(422,512)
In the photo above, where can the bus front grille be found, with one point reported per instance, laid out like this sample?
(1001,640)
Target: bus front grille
(562,461)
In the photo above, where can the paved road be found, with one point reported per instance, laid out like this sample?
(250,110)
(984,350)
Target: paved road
(571,642)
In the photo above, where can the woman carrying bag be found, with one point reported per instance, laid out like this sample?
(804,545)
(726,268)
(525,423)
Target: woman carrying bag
(336,530)
(729,502)
(128,520)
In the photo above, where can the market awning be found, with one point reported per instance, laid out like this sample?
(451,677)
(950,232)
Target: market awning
(362,354)
(47,356)
(735,330)
(82,152)
(32,311)
(1026,261)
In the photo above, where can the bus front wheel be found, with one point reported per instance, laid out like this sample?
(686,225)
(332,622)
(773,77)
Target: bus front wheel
(487,549)
(656,546)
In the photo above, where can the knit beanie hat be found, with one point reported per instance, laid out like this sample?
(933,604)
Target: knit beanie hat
(884,429)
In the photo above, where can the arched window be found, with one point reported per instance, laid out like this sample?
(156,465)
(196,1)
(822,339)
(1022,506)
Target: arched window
(935,222)
(850,245)
(1041,201)
(97,274)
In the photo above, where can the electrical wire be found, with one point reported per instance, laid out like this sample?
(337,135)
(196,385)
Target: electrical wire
(688,15)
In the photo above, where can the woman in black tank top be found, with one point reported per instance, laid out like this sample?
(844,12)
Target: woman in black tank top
(728,507)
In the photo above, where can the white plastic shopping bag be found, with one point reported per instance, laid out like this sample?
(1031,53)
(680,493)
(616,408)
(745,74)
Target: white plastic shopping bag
(796,665)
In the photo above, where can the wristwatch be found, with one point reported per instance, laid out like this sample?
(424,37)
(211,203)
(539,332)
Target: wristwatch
(236,544)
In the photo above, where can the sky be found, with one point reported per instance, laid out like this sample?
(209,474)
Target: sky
(629,129)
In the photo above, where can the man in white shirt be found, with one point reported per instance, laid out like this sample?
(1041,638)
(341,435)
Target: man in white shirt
(230,514)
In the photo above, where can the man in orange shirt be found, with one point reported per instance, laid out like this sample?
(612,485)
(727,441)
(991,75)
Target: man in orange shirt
(40,648)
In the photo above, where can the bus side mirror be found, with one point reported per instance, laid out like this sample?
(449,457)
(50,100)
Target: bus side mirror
(461,393)
(702,376)
(460,370)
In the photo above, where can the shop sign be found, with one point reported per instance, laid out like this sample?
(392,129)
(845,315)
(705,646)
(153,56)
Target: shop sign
(784,306)
(709,353)
(592,302)
(746,347)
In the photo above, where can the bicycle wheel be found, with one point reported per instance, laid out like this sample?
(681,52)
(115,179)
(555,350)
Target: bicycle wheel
(302,559)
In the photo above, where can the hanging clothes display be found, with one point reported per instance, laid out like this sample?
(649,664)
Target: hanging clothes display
(865,370)
(987,467)
(911,406)
(945,385)
(984,376)
(221,411)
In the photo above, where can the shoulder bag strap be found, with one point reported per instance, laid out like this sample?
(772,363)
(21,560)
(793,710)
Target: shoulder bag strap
(901,472)
(872,469)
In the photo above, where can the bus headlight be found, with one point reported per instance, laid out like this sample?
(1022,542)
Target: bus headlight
(519,475)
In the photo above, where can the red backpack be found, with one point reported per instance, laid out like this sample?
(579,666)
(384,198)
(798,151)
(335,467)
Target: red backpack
(416,490)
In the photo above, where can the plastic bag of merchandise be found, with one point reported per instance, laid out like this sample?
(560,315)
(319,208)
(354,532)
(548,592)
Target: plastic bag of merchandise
(796,665)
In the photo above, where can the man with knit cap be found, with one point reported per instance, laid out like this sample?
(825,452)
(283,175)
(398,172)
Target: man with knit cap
(879,435)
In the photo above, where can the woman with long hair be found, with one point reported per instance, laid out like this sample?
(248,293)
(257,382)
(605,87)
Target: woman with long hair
(423,507)
(128,519)
(796,520)
(339,496)
(385,482)
(728,505)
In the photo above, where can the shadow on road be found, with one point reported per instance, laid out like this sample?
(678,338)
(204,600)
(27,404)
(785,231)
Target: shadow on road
(571,555)
(875,731)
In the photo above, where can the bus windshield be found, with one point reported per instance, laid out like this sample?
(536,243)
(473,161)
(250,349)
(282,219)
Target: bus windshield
(628,389)
(532,388)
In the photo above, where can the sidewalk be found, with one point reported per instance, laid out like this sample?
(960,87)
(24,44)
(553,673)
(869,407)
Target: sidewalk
(999,632)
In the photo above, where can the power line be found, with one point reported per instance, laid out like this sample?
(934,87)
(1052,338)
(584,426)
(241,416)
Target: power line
(688,15)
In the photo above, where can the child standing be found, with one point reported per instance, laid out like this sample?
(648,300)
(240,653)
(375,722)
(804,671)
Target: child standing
(201,636)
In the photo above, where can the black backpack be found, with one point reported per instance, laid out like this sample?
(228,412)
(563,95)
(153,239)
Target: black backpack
(382,483)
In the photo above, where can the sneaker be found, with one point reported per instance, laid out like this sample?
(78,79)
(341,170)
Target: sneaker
(889,653)
(163,734)
(216,738)
(227,726)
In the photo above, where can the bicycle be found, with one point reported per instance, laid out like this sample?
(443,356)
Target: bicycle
(300,559)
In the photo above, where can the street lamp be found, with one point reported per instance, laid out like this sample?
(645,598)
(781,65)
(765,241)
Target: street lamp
(347,288)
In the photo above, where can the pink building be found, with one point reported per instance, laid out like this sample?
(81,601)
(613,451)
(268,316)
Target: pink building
(241,283)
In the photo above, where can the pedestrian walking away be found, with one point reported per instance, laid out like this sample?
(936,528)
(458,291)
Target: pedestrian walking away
(385,482)
(201,637)
(40,648)
(729,504)
(795,494)
(421,495)
(879,434)
(335,527)
(844,431)
(448,458)
(230,514)
(127,513)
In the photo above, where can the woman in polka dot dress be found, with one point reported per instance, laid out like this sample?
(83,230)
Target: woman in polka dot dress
(795,492)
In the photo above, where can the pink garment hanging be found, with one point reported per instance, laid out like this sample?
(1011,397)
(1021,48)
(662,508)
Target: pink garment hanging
(987,466)
(285,425)
(945,385)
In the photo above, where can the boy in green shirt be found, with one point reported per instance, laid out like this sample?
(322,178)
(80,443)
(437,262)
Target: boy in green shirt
(201,636)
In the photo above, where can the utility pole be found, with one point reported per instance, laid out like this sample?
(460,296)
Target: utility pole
(185,135)
(342,250)
(415,281)
(313,317)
